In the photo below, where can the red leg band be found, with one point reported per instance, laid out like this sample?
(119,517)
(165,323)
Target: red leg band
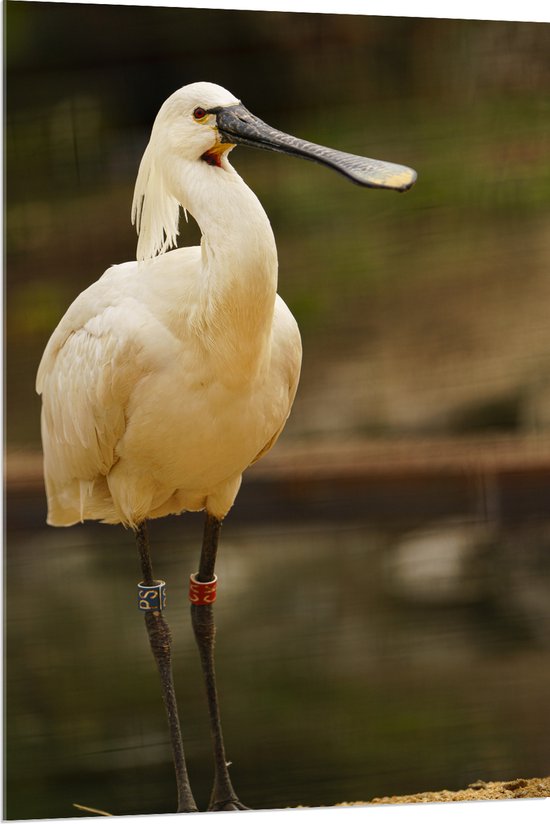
(202,593)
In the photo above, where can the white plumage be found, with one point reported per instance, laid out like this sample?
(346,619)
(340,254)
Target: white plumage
(169,376)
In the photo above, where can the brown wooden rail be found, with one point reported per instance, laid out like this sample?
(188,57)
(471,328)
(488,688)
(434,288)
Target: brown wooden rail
(502,478)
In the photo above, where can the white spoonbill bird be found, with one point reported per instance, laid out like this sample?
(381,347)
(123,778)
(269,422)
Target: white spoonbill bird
(171,374)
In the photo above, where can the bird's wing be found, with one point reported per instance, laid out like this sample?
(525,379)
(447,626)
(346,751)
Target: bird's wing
(93,362)
(286,361)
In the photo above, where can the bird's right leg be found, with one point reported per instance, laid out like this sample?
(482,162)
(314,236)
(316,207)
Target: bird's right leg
(151,597)
(202,596)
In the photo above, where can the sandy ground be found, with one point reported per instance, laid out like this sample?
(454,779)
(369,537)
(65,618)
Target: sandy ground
(478,791)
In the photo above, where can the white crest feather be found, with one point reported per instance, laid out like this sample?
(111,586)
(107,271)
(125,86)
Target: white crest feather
(155,212)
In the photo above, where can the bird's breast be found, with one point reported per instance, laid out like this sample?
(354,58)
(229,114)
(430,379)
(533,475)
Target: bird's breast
(204,429)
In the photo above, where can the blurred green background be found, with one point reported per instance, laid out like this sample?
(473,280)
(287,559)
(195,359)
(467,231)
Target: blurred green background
(430,308)
(424,316)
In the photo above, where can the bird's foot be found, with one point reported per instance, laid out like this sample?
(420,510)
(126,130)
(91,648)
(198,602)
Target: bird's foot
(187,808)
(227,804)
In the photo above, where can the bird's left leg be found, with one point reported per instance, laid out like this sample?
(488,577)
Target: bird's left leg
(160,640)
(202,595)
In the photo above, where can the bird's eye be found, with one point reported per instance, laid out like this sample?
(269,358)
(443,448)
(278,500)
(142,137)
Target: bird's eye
(199,113)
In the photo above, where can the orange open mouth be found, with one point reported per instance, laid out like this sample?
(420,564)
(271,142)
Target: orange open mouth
(214,155)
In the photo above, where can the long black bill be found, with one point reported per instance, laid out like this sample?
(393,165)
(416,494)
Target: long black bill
(237,125)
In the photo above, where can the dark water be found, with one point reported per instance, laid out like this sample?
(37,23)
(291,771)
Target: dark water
(353,660)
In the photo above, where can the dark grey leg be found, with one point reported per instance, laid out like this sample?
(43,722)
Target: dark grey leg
(160,640)
(202,616)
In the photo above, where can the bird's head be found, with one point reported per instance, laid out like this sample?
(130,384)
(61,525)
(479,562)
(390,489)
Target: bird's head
(186,126)
(199,124)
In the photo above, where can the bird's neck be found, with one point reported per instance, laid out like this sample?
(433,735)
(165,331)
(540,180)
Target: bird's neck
(239,277)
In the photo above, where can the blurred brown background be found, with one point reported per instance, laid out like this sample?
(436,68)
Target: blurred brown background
(409,494)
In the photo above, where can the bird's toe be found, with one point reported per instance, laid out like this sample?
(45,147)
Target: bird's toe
(227,804)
